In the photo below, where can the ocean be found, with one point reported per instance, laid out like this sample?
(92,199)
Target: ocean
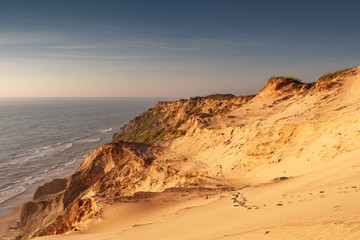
(46,138)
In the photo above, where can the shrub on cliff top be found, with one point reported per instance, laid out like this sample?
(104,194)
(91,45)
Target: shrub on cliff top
(330,76)
(226,96)
(287,78)
(220,96)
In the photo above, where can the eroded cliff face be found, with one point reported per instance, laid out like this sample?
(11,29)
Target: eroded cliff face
(112,171)
(288,129)
(55,212)
(167,119)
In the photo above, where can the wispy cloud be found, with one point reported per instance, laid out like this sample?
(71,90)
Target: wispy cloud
(96,57)
(77,47)
(13,38)
(198,44)
(184,48)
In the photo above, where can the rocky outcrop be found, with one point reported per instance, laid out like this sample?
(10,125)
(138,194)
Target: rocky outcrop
(48,189)
(115,169)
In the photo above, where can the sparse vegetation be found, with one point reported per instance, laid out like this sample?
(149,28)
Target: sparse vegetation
(330,76)
(143,123)
(179,123)
(287,78)
(286,81)
(325,82)
(220,96)
(151,137)
(161,122)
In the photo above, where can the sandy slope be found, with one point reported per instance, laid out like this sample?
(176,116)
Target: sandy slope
(321,205)
(309,144)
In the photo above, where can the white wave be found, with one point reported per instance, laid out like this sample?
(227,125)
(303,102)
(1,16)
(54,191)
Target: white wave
(41,152)
(70,163)
(31,180)
(88,140)
(49,169)
(76,160)
(10,192)
(22,159)
(105,130)
(51,172)
(5,189)
(56,148)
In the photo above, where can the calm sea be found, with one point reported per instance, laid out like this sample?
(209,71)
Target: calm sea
(42,139)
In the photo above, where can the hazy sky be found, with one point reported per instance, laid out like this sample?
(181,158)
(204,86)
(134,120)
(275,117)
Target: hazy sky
(85,48)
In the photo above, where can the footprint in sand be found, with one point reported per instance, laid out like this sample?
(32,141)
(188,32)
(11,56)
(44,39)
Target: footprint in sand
(323,194)
(239,200)
(337,208)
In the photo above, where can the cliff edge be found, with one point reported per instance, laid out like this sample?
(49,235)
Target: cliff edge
(222,142)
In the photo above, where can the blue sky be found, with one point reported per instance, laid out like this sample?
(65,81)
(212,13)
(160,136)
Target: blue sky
(85,48)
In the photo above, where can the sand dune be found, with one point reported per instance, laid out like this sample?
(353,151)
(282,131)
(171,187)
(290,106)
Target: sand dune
(283,164)
(320,205)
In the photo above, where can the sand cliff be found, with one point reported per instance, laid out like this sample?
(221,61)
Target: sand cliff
(288,139)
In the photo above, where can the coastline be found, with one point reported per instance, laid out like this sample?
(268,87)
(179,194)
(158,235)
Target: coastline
(37,144)
(9,220)
(12,210)
(18,201)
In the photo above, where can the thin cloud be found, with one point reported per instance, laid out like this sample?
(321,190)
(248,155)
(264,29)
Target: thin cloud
(13,38)
(77,47)
(197,44)
(185,48)
(95,57)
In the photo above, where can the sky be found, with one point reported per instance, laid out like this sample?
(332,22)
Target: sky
(158,48)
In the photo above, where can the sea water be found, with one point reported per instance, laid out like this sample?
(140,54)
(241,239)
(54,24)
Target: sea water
(46,138)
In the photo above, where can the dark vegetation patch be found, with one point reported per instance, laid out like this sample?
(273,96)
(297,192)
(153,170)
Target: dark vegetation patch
(289,79)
